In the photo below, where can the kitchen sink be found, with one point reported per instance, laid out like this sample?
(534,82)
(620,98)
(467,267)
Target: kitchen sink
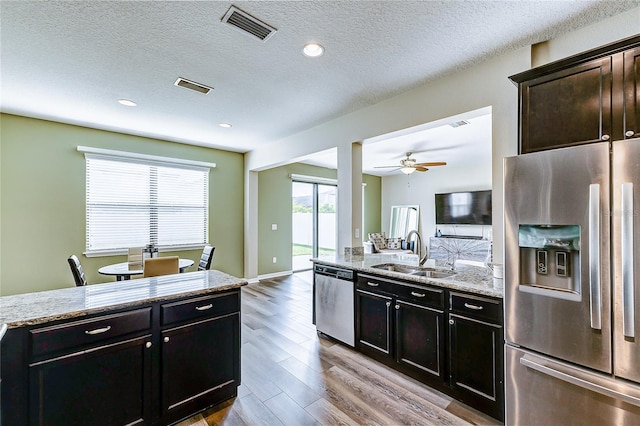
(414,270)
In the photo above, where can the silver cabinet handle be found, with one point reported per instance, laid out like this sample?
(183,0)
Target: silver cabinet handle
(451,322)
(413,293)
(388,304)
(578,381)
(372,284)
(204,308)
(605,137)
(474,307)
(629,133)
(148,345)
(626,228)
(594,256)
(397,307)
(166,339)
(98,330)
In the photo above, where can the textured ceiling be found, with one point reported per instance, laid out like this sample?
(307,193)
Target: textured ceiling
(71,61)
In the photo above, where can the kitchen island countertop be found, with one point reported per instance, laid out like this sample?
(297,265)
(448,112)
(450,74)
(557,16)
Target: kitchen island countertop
(37,308)
(467,277)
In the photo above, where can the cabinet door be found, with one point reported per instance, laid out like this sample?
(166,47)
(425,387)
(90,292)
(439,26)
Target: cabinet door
(476,360)
(108,385)
(374,323)
(568,107)
(420,338)
(632,93)
(199,359)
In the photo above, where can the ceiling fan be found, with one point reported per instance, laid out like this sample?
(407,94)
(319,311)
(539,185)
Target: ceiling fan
(409,165)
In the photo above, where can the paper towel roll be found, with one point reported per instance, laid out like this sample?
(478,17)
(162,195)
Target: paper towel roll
(498,270)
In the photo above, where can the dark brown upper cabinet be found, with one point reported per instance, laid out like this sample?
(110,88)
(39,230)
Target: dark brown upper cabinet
(631,89)
(590,97)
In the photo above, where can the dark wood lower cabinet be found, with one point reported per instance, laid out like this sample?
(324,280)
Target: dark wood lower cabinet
(374,319)
(476,356)
(86,388)
(403,325)
(198,360)
(152,365)
(420,338)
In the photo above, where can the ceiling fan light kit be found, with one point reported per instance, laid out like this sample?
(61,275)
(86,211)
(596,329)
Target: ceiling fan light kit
(409,165)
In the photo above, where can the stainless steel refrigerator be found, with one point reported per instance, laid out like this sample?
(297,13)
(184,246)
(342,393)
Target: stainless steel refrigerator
(572,285)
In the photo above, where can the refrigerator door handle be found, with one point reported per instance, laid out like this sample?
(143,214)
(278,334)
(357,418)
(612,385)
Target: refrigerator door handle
(578,381)
(627,259)
(594,256)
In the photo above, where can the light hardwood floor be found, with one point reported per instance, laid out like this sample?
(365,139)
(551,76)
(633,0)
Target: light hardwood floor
(292,376)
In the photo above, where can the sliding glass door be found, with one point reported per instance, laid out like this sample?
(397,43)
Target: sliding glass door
(313,222)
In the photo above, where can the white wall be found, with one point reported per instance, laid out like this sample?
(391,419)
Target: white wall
(420,188)
(485,84)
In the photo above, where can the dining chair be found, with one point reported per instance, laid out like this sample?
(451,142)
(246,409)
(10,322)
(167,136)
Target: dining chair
(76,270)
(134,258)
(155,266)
(206,258)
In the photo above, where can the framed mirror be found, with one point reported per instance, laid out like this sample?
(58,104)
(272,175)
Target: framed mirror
(403,220)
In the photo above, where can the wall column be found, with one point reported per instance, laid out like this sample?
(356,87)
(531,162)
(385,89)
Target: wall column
(250,225)
(349,196)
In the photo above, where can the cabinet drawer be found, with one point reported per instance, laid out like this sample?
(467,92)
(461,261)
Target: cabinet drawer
(75,334)
(370,283)
(482,308)
(427,296)
(200,307)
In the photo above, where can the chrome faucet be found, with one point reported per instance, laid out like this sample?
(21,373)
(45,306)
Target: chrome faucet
(419,243)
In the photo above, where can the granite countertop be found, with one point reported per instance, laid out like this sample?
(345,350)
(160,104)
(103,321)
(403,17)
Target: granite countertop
(468,277)
(37,308)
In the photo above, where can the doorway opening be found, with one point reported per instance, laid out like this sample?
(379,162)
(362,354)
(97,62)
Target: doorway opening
(314,222)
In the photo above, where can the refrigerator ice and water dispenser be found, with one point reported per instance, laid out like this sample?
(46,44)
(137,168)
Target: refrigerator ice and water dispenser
(550,258)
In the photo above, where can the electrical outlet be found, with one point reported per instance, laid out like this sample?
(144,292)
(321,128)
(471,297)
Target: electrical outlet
(275,259)
(274,227)
(357,232)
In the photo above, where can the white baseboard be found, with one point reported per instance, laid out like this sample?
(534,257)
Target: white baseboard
(269,276)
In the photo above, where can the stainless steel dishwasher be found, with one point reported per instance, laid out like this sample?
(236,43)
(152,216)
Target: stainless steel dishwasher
(334,302)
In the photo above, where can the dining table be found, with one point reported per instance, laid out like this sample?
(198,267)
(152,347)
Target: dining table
(122,270)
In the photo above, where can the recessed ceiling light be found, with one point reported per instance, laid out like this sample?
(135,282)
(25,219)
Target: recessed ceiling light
(225,125)
(313,50)
(127,102)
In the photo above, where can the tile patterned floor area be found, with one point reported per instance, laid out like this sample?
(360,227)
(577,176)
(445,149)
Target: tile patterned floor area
(292,376)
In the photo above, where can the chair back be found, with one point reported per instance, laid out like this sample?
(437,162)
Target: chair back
(76,270)
(134,258)
(206,258)
(156,266)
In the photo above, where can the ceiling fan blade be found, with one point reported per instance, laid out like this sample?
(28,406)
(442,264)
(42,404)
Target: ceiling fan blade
(385,167)
(433,163)
(421,169)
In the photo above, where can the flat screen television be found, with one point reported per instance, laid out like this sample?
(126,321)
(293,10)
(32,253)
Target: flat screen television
(464,208)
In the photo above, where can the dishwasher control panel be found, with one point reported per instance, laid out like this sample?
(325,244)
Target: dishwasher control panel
(343,274)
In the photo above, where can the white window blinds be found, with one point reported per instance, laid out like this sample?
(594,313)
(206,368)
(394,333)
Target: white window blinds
(133,202)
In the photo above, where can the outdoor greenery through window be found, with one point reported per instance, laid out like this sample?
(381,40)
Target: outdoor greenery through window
(313,222)
(134,202)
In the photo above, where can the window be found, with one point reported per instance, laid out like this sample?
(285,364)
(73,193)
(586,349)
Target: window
(132,202)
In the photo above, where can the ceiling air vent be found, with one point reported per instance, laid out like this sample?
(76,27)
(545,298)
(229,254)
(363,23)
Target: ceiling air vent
(459,123)
(248,24)
(188,84)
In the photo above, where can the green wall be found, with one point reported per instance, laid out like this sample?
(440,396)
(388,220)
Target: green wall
(43,201)
(274,206)
(372,205)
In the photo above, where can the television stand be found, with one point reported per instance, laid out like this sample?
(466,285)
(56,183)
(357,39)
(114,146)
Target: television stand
(464,237)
